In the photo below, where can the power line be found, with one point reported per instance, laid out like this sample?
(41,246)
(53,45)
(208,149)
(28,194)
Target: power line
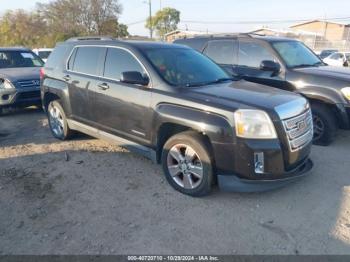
(261,21)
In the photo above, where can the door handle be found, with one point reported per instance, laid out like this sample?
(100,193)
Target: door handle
(103,86)
(66,78)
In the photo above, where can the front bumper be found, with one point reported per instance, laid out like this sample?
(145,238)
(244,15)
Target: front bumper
(14,97)
(233,183)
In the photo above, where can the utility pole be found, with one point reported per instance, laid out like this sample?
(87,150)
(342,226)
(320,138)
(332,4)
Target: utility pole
(150,18)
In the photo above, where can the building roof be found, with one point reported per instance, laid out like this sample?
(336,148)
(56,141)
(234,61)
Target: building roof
(322,21)
(285,31)
(186,32)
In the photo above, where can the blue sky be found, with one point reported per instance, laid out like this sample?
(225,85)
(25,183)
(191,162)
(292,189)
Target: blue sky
(210,15)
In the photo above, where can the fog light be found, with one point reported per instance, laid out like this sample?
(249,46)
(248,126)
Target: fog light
(259,163)
(5,97)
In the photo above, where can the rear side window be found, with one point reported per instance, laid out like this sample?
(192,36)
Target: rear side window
(119,61)
(87,58)
(252,54)
(221,51)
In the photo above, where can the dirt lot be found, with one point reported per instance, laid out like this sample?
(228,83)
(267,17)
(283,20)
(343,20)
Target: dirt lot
(88,197)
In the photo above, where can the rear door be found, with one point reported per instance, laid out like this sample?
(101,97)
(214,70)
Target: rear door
(224,53)
(83,73)
(250,55)
(121,108)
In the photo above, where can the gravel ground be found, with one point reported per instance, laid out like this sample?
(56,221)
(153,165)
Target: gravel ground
(86,196)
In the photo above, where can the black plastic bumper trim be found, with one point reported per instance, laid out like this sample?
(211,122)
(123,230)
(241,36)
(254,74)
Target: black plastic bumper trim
(233,183)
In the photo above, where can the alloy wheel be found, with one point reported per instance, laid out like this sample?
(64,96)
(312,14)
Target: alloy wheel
(56,121)
(185,166)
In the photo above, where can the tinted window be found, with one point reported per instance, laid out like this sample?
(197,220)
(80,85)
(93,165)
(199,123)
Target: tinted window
(44,54)
(184,67)
(195,43)
(221,51)
(86,59)
(13,59)
(119,61)
(252,54)
(57,56)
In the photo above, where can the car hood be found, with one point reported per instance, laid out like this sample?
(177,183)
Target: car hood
(240,94)
(340,73)
(24,73)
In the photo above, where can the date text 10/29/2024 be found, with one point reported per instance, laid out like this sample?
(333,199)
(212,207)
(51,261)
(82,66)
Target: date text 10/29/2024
(173,258)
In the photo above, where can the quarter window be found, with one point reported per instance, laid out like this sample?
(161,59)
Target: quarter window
(221,51)
(86,60)
(252,54)
(119,61)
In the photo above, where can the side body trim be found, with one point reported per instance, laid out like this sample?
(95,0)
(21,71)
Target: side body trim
(130,145)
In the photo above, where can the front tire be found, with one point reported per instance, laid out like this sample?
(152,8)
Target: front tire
(325,125)
(187,164)
(58,121)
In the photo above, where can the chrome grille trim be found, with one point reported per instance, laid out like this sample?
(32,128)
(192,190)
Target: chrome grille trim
(29,83)
(299,130)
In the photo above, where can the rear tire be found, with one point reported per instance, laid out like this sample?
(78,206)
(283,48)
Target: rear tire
(187,164)
(58,121)
(325,125)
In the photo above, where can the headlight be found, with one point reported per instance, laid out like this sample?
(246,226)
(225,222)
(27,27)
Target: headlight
(254,124)
(346,92)
(5,84)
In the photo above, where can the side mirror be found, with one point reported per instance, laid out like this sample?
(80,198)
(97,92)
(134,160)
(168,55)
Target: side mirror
(271,66)
(135,78)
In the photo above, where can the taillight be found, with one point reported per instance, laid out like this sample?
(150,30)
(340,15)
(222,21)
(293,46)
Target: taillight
(42,73)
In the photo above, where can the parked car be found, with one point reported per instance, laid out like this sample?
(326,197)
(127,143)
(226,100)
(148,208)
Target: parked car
(43,53)
(289,65)
(19,78)
(179,108)
(338,59)
(325,53)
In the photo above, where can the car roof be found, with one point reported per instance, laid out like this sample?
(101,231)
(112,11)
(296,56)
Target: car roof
(14,49)
(125,43)
(236,36)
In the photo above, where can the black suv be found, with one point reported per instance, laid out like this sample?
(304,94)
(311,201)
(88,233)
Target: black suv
(179,108)
(19,78)
(286,64)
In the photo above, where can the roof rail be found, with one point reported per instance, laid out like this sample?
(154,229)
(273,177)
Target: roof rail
(227,35)
(91,38)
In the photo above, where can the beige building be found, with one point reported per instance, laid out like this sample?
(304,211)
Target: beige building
(171,36)
(330,31)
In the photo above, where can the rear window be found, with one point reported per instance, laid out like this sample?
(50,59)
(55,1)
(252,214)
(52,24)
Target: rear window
(44,54)
(221,51)
(57,56)
(87,58)
(14,59)
(195,43)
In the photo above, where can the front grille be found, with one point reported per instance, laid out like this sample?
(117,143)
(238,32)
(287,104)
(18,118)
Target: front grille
(30,83)
(29,95)
(299,130)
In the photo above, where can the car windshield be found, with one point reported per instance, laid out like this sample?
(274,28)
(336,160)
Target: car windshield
(13,59)
(44,54)
(296,54)
(185,67)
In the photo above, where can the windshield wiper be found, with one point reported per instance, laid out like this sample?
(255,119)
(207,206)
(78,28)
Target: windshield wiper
(302,65)
(308,65)
(216,81)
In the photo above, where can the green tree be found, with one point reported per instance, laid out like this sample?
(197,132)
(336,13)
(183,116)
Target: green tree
(164,21)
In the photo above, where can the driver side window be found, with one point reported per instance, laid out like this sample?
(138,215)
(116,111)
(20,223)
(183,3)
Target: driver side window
(251,54)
